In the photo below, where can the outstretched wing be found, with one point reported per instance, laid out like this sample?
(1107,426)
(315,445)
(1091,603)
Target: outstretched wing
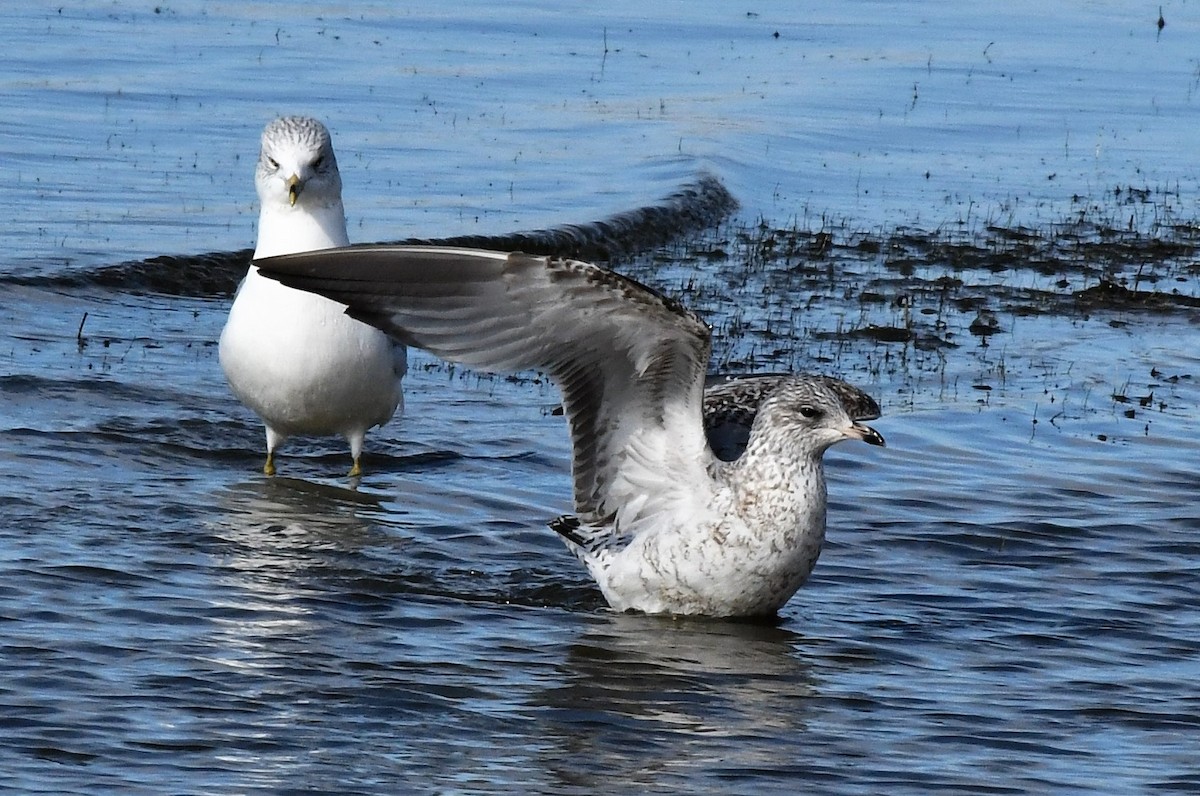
(630,362)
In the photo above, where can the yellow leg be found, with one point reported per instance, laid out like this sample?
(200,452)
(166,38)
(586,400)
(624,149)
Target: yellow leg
(274,440)
(355,438)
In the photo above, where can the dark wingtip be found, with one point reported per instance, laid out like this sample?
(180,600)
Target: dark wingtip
(858,405)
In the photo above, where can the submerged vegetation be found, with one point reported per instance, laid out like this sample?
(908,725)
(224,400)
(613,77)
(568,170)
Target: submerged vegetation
(956,311)
(924,287)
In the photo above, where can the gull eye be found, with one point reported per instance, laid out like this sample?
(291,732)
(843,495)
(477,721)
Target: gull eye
(809,411)
(272,162)
(319,162)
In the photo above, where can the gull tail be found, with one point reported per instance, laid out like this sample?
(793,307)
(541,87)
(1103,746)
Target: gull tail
(585,541)
(568,527)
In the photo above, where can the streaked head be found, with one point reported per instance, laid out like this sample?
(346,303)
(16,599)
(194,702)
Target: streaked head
(815,414)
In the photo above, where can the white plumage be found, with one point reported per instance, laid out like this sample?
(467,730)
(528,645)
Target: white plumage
(662,523)
(296,358)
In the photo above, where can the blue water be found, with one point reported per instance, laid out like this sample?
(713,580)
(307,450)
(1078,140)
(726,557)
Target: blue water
(1007,602)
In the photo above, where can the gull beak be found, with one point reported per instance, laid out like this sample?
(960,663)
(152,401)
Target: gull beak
(866,434)
(294,187)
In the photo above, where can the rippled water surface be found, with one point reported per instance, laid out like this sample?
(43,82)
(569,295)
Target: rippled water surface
(1008,600)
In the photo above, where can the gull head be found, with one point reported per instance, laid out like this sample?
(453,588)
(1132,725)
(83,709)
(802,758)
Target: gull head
(297,165)
(809,416)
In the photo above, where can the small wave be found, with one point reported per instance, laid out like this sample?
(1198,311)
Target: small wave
(693,208)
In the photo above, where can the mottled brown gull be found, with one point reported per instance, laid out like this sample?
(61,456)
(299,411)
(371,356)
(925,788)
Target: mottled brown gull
(296,358)
(662,523)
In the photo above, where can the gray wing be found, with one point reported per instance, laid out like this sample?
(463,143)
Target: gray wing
(630,362)
(731,403)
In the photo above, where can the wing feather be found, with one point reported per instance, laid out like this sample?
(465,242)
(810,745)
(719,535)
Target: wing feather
(629,361)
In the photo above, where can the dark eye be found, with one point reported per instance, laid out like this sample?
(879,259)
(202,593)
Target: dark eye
(319,162)
(273,163)
(809,411)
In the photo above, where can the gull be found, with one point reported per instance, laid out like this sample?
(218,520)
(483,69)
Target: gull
(662,523)
(296,358)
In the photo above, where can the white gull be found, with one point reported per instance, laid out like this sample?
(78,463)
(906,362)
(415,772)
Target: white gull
(662,523)
(296,358)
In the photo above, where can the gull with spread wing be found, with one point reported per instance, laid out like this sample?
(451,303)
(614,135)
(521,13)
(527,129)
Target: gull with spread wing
(663,524)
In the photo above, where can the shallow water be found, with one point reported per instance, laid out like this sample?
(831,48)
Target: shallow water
(1007,602)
